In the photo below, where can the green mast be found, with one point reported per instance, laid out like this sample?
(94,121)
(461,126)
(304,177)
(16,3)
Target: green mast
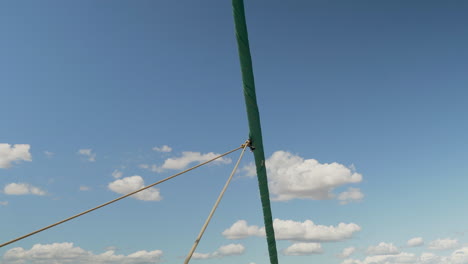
(255,134)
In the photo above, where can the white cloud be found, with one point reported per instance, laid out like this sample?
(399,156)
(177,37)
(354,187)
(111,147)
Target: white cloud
(143,166)
(84,188)
(223,251)
(400,258)
(133,183)
(383,249)
(347,252)
(197,255)
(231,249)
(351,195)
(302,249)
(4,203)
(459,256)
(250,170)
(153,168)
(113,248)
(415,242)
(88,153)
(309,231)
(430,258)
(164,148)
(49,154)
(189,157)
(22,189)
(293,177)
(295,231)
(117,174)
(443,244)
(15,153)
(59,253)
(240,230)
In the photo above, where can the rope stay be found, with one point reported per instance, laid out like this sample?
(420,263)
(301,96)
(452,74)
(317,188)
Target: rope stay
(120,198)
(215,206)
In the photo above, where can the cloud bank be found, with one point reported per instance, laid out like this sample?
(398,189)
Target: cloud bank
(306,231)
(60,253)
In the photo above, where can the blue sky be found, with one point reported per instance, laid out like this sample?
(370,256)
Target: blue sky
(363,107)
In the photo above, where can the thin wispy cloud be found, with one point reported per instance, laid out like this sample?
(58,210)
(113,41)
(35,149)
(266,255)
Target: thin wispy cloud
(49,154)
(84,188)
(88,153)
(117,174)
(347,252)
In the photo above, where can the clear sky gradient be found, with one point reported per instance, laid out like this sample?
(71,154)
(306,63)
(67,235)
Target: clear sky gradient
(363,107)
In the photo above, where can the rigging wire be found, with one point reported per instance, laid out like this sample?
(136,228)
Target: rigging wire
(120,198)
(205,225)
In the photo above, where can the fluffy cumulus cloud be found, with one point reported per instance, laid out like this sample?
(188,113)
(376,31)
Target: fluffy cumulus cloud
(241,229)
(347,252)
(189,157)
(443,244)
(223,251)
(306,231)
(351,195)
(309,231)
(293,177)
(459,256)
(22,189)
(13,154)
(88,153)
(383,249)
(164,148)
(133,183)
(60,253)
(415,242)
(302,249)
